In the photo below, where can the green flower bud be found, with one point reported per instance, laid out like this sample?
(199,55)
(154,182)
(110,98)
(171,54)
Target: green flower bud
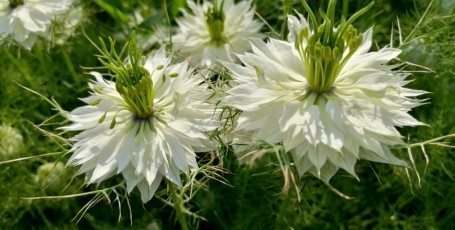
(52,177)
(11,141)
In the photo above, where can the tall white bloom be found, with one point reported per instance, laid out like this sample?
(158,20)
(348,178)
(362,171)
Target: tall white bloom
(26,20)
(322,95)
(147,125)
(215,31)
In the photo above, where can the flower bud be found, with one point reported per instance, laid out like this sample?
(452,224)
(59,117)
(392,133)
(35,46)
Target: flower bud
(11,141)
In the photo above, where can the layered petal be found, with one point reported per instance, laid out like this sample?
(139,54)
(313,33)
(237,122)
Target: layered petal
(26,22)
(112,140)
(324,131)
(193,38)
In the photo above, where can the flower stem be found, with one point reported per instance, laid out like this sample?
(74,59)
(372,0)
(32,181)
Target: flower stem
(179,207)
(284,209)
(69,65)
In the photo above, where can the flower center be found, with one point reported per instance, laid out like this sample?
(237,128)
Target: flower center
(325,54)
(133,81)
(15,3)
(136,88)
(215,22)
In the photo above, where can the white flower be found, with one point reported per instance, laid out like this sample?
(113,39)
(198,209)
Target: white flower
(328,105)
(215,31)
(68,23)
(145,127)
(26,20)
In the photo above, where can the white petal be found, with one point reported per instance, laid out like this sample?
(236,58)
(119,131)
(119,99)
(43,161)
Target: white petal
(147,190)
(318,156)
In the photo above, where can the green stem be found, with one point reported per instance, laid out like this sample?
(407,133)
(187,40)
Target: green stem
(359,13)
(32,157)
(69,65)
(20,67)
(434,140)
(44,218)
(286,8)
(95,192)
(313,20)
(418,24)
(345,8)
(284,209)
(178,204)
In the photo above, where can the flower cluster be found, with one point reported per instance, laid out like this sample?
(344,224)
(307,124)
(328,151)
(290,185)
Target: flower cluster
(194,89)
(321,94)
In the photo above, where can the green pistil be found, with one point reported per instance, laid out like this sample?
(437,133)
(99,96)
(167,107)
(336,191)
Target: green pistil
(133,81)
(323,55)
(15,3)
(136,88)
(215,22)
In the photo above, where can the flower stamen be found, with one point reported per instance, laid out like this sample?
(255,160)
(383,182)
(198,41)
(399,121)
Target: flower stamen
(215,22)
(133,81)
(323,54)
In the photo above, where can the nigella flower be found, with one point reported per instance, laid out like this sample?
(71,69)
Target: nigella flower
(322,95)
(68,23)
(215,31)
(146,125)
(26,20)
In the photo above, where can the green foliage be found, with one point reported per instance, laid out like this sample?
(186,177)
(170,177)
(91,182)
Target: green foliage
(254,198)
